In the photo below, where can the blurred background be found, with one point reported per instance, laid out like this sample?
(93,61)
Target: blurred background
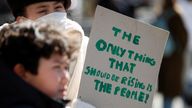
(175,78)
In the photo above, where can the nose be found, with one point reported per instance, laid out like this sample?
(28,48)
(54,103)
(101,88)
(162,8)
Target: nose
(50,11)
(65,77)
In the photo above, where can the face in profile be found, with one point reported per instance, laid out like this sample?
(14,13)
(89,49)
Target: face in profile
(37,10)
(43,54)
(52,77)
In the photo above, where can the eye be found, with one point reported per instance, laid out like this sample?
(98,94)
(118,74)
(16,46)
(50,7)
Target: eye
(43,12)
(61,69)
(59,8)
(66,67)
(57,68)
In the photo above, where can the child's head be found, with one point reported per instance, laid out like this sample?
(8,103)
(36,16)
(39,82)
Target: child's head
(34,9)
(39,53)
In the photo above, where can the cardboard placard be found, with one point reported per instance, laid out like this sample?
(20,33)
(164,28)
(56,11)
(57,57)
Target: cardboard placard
(122,62)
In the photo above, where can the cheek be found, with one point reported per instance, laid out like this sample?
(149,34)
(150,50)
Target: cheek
(53,78)
(50,79)
(51,83)
(33,16)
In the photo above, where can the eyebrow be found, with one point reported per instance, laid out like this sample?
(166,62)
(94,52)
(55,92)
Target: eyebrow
(61,62)
(56,2)
(44,6)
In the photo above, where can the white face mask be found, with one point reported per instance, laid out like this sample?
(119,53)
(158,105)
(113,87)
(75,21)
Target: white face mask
(55,17)
(61,19)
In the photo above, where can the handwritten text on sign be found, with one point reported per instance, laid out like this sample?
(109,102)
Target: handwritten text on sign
(122,62)
(103,46)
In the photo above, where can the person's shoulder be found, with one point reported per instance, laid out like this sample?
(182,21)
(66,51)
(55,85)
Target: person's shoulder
(85,38)
(85,41)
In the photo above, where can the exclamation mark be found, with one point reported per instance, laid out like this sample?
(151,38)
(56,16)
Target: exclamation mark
(147,97)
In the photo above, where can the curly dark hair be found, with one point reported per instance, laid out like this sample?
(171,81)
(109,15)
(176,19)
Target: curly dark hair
(27,42)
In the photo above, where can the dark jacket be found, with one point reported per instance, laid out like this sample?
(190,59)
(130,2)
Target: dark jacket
(16,93)
(172,66)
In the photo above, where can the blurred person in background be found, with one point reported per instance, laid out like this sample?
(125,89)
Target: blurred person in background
(185,7)
(126,7)
(170,76)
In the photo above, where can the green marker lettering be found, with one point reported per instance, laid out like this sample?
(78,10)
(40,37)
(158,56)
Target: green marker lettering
(116,31)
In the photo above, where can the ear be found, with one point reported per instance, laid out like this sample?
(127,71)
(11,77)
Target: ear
(20,19)
(20,70)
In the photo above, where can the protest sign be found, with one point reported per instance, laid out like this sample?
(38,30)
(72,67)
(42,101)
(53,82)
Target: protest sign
(122,62)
